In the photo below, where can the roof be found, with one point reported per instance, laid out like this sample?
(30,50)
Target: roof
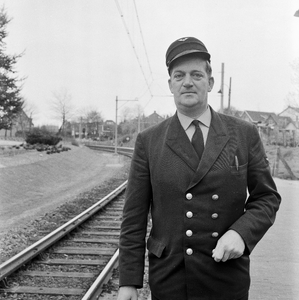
(296,109)
(283,122)
(154,118)
(258,116)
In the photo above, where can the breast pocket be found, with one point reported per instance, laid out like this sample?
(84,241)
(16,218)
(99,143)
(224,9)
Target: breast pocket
(239,170)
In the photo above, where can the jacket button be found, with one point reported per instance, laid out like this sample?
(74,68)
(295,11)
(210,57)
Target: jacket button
(189,214)
(215,234)
(189,233)
(189,196)
(215,197)
(214,216)
(189,251)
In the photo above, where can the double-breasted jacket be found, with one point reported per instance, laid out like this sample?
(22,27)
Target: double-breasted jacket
(192,205)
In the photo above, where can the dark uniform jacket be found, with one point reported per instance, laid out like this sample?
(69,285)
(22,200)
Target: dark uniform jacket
(192,206)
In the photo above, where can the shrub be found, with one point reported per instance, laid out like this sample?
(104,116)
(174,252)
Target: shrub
(37,136)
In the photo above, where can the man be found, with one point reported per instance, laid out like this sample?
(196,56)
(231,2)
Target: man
(193,177)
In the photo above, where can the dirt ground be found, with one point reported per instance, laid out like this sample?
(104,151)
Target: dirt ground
(32,183)
(291,156)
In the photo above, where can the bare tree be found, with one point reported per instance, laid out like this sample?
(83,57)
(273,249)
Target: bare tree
(62,107)
(90,119)
(90,114)
(30,110)
(130,113)
(292,98)
(25,117)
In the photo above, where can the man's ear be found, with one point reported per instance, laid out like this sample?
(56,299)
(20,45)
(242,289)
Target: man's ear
(170,85)
(211,83)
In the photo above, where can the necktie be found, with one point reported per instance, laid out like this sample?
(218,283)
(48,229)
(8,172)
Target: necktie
(197,139)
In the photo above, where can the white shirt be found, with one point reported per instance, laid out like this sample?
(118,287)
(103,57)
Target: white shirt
(205,122)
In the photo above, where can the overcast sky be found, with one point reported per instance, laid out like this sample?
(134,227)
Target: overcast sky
(86,47)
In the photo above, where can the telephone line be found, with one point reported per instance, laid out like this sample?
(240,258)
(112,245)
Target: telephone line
(142,39)
(132,44)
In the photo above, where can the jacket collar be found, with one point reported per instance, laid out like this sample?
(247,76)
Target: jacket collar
(178,141)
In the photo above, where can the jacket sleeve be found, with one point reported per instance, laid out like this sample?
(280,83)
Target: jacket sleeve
(263,201)
(135,219)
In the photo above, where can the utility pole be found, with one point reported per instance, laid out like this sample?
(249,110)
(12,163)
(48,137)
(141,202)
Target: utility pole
(116,112)
(222,87)
(80,129)
(229,92)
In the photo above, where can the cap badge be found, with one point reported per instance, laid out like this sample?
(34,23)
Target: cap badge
(183,39)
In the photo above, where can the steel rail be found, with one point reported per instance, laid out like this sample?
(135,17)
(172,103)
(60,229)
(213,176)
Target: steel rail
(32,251)
(120,150)
(95,290)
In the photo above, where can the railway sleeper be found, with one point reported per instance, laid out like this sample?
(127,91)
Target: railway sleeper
(86,262)
(98,240)
(43,290)
(84,251)
(57,274)
(101,233)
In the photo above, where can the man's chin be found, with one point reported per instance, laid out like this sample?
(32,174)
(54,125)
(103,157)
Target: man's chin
(189,101)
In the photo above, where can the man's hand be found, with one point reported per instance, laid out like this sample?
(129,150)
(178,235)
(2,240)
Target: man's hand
(229,246)
(127,293)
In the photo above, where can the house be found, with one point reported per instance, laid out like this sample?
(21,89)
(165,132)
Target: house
(152,119)
(289,124)
(21,124)
(255,117)
(108,129)
(282,130)
(293,113)
(275,129)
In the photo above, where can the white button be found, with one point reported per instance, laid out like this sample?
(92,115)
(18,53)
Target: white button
(189,232)
(214,216)
(189,196)
(189,251)
(189,214)
(215,197)
(215,234)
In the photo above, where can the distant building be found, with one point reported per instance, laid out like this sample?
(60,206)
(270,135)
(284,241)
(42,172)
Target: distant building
(94,130)
(289,123)
(255,117)
(279,129)
(293,113)
(21,124)
(108,129)
(145,122)
(152,119)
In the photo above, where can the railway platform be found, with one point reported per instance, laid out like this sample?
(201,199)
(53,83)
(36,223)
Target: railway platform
(275,260)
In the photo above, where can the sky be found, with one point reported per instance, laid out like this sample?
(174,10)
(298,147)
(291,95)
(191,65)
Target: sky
(97,50)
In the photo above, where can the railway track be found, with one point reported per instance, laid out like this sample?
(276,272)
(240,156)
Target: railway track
(75,260)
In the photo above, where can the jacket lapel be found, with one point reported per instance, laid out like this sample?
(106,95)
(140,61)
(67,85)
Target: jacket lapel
(178,141)
(217,139)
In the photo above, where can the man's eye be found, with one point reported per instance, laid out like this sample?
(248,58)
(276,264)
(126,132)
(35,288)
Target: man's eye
(197,75)
(178,76)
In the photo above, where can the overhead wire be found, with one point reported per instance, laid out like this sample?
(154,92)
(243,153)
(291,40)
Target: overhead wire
(149,66)
(132,44)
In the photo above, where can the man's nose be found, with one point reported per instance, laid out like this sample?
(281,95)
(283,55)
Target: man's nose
(187,81)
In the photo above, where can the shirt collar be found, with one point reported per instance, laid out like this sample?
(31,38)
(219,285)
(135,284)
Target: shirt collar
(204,118)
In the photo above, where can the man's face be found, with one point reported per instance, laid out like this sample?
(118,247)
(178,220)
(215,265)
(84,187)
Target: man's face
(189,83)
